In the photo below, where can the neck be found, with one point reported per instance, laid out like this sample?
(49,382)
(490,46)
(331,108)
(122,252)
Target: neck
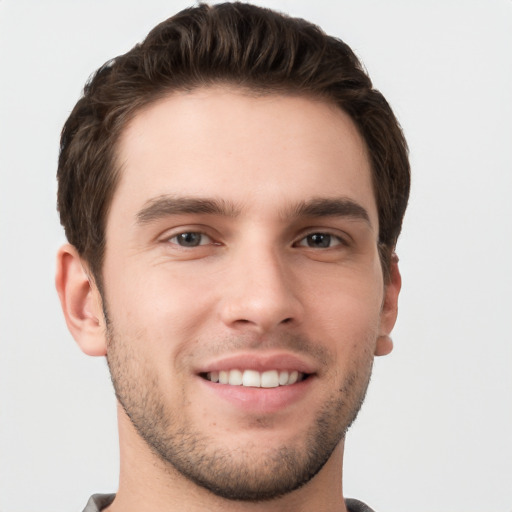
(148,483)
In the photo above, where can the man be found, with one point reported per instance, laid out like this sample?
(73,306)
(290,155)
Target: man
(232,190)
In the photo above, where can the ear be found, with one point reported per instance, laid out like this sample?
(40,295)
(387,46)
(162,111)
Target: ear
(80,301)
(389,310)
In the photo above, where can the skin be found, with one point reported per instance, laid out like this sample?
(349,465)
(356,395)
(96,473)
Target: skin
(260,284)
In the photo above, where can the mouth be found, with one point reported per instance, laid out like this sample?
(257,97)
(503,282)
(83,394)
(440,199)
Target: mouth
(258,383)
(255,379)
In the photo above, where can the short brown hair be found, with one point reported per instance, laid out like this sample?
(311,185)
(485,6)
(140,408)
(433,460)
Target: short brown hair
(237,44)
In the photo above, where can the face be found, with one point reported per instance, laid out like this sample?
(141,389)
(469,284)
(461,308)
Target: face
(243,286)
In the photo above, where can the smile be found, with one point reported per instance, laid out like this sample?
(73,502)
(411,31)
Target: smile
(254,378)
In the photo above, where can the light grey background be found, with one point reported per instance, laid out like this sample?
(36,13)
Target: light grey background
(436,432)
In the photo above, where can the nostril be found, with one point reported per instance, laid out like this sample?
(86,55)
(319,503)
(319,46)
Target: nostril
(287,320)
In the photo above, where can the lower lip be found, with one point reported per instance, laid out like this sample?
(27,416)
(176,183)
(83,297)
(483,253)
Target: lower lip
(260,400)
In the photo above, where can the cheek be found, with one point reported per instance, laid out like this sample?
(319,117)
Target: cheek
(350,331)
(348,294)
(157,318)
(347,311)
(157,298)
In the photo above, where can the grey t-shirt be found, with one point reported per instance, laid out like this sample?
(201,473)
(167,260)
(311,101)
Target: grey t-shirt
(97,502)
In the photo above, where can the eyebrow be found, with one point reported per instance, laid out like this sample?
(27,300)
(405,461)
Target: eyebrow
(331,207)
(165,205)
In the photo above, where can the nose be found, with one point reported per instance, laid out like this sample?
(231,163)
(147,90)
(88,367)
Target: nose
(261,293)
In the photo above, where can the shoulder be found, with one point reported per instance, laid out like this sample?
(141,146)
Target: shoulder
(357,506)
(97,502)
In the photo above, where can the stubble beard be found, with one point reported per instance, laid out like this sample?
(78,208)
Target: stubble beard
(249,473)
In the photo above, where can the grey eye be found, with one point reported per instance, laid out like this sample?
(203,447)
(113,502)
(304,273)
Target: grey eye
(319,241)
(190,239)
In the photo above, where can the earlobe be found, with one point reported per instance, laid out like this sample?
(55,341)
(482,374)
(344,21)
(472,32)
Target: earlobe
(389,310)
(384,345)
(80,301)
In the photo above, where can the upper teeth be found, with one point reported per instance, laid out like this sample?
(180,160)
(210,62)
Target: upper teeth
(255,379)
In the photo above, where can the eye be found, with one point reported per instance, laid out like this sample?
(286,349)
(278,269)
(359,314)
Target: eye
(190,239)
(320,241)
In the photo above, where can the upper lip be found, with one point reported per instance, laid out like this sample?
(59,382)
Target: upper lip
(260,362)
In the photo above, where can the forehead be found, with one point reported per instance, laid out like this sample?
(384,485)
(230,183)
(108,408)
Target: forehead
(254,151)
